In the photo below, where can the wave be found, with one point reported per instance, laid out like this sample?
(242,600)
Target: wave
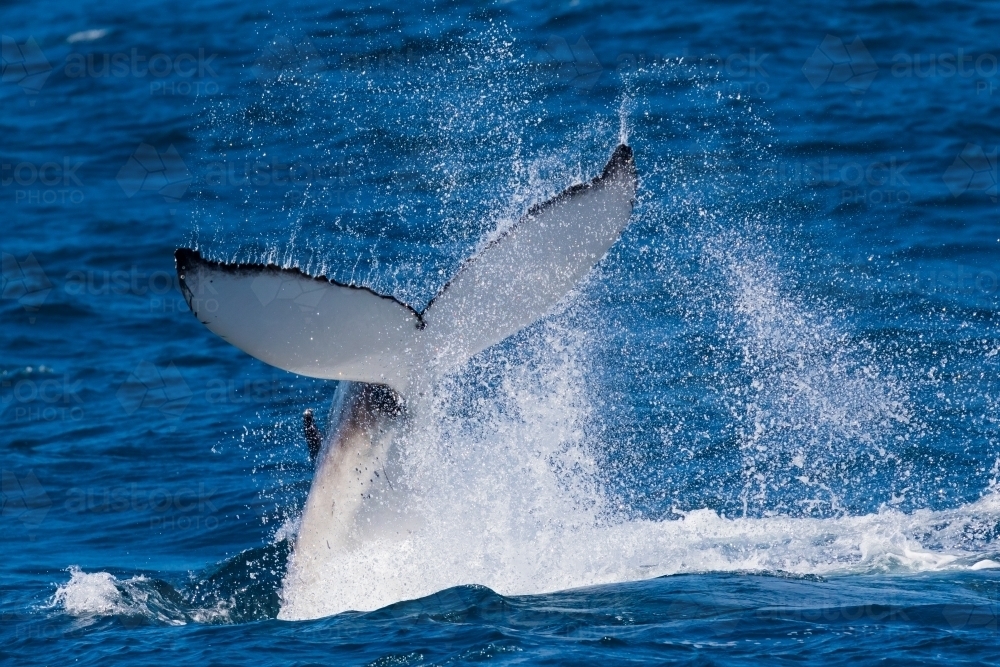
(247,587)
(244,588)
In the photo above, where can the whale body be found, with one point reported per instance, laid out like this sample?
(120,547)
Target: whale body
(385,353)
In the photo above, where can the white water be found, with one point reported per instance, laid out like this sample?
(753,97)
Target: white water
(92,595)
(509,499)
(575,556)
(571,555)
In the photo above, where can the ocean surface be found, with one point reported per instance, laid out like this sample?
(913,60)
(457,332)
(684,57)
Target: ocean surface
(764,429)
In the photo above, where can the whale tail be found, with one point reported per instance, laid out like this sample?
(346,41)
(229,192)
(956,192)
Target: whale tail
(318,327)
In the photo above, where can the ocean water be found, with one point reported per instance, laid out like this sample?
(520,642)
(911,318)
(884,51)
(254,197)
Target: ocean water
(763,429)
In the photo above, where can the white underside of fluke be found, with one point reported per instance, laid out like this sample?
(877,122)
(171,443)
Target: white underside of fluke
(319,328)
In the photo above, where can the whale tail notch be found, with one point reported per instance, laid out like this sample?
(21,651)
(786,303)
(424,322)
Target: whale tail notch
(318,327)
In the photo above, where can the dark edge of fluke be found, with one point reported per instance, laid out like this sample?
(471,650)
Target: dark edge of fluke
(186,258)
(620,159)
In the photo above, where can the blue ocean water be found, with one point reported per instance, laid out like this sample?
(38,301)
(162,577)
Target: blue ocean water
(764,428)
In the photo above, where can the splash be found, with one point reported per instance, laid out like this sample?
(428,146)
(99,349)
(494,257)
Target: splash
(816,401)
(717,415)
(386,169)
(100,594)
(624,108)
(504,490)
(574,552)
(241,589)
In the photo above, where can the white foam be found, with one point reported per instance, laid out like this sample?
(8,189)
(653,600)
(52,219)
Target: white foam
(99,594)
(92,595)
(87,35)
(985,564)
(287,530)
(569,556)
(507,497)
(88,594)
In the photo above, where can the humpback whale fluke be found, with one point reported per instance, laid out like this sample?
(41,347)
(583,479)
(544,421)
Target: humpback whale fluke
(318,327)
(384,350)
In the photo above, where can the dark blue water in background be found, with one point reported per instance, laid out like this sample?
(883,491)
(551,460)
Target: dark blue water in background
(794,343)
